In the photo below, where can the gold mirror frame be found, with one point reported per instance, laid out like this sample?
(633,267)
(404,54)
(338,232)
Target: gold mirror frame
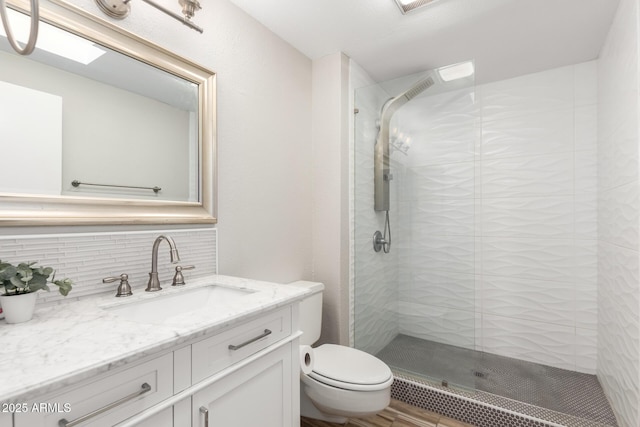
(30,210)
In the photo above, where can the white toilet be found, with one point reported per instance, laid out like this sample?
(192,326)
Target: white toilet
(344,382)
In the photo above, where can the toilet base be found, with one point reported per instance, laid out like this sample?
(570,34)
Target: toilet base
(333,404)
(309,410)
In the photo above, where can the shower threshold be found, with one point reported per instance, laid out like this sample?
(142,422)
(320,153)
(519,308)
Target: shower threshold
(512,384)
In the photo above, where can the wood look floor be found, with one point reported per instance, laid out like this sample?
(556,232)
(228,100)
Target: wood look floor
(397,414)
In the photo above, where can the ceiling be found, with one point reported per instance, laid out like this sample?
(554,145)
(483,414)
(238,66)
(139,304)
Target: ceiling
(506,38)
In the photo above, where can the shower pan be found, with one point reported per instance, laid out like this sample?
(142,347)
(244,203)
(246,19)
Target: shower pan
(416,161)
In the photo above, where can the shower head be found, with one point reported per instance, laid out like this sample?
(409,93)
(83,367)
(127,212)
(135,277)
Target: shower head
(381,156)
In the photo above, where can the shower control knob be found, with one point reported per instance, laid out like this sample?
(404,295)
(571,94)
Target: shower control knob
(379,241)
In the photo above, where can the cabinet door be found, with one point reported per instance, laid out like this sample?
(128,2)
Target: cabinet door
(259,394)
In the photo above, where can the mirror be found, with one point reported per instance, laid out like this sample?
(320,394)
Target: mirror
(102,126)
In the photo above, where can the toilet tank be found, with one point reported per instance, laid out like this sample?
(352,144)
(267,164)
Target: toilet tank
(310,312)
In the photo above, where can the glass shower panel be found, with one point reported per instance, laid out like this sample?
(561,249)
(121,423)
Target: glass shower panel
(415,306)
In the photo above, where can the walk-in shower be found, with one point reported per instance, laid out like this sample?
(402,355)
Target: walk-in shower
(458,302)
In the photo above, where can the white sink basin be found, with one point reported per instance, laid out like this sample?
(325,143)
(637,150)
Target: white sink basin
(163,308)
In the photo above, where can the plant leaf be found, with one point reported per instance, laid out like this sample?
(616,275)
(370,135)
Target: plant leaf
(64,286)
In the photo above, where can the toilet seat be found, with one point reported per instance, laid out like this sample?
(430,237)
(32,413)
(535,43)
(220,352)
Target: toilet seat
(350,369)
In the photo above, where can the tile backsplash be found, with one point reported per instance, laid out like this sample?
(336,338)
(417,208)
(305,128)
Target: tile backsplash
(87,258)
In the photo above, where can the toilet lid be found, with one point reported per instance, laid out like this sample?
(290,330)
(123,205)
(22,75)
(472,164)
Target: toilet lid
(346,365)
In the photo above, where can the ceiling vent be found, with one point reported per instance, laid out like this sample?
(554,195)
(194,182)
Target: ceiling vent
(407,6)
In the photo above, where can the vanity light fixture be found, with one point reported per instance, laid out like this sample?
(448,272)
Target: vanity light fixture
(119,9)
(407,6)
(56,41)
(456,71)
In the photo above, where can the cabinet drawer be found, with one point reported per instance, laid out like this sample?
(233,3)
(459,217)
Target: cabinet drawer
(213,354)
(122,392)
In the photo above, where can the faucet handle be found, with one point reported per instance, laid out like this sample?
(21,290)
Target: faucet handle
(178,278)
(124,290)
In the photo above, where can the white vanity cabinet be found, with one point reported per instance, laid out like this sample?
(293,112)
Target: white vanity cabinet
(105,400)
(242,375)
(259,394)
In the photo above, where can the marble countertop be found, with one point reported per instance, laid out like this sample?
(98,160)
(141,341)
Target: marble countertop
(68,342)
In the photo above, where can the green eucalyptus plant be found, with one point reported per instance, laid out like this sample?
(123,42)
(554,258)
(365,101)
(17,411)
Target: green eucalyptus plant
(28,277)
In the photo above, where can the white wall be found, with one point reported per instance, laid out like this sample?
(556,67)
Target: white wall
(618,206)
(330,192)
(263,135)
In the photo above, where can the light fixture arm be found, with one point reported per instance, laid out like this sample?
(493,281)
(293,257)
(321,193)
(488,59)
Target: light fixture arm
(119,9)
(188,12)
(33,32)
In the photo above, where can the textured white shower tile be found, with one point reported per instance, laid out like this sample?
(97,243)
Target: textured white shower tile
(445,143)
(545,91)
(586,172)
(586,217)
(479,255)
(444,253)
(478,335)
(625,152)
(618,154)
(585,81)
(439,288)
(545,175)
(618,328)
(528,135)
(444,325)
(444,216)
(375,299)
(618,293)
(535,300)
(454,180)
(441,106)
(615,375)
(376,323)
(618,64)
(586,304)
(537,342)
(619,287)
(477,177)
(528,258)
(618,215)
(586,261)
(586,351)
(550,217)
(586,127)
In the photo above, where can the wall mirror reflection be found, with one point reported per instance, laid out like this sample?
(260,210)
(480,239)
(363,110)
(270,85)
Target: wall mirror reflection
(81,122)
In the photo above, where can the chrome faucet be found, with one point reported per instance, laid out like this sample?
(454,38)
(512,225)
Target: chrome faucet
(154,283)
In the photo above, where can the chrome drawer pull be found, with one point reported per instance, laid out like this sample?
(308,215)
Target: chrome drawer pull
(64,423)
(204,411)
(239,346)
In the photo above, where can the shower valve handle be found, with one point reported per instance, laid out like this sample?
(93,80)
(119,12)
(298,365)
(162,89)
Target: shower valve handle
(379,242)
